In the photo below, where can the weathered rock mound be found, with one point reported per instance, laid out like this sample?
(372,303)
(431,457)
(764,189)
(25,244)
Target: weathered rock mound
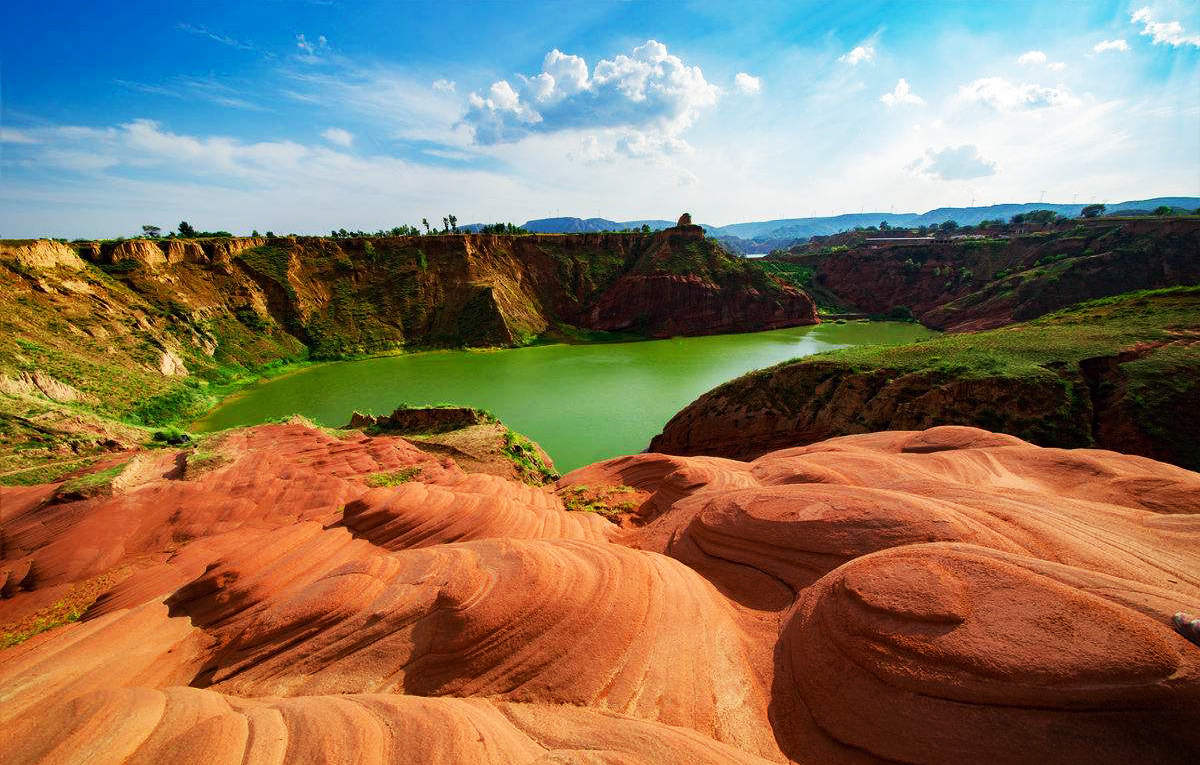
(425,419)
(904,596)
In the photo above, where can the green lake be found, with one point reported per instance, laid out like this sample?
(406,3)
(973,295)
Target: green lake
(582,403)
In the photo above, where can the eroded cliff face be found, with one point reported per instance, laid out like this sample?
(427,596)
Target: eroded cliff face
(682,284)
(364,295)
(1005,276)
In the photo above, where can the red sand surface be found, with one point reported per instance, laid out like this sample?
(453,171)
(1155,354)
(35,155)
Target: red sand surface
(949,595)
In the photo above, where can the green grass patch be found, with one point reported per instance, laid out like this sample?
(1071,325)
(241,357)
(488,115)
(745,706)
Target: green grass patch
(93,484)
(604,500)
(62,612)
(1097,328)
(268,260)
(393,478)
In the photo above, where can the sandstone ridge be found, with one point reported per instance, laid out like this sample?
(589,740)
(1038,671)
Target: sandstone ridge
(995,276)
(905,596)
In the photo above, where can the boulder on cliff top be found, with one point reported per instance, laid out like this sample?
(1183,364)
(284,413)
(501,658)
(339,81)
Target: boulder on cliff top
(429,419)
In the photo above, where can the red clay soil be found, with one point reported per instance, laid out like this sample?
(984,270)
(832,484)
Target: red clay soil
(948,595)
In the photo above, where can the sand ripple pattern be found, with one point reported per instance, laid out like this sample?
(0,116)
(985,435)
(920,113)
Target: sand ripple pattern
(949,595)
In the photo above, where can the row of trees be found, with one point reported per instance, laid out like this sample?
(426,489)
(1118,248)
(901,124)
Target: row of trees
(449,226)
(186,231)
(342,233)
(644,229)
(1033,217)
(501,228)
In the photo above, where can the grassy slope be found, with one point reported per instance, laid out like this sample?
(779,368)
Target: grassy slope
(1097,328)
(104,334)
(801,276)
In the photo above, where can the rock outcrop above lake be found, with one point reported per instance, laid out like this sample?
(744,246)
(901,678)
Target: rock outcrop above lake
(1116,374)
(932,596)
(996,276)
(475,439)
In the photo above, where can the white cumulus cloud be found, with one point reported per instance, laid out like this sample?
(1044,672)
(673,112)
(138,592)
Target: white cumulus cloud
(338,136)
(1163,32)
(443,86)
(1003,95)
(902,94)
(858,55)
(568,74)
(649,89)
(953,163)
(1039,58)
(1107,45)
(746,83)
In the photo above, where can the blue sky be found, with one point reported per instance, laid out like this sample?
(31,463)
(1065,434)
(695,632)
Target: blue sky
(304,116)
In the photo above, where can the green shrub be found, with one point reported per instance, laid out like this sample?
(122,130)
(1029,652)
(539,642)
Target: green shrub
(526,458)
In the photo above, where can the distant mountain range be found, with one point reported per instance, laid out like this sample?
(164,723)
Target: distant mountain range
(763,236)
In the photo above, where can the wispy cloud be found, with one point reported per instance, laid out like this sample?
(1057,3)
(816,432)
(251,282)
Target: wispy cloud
(389,97)
(311,51)
(8,135)
(204,88)
(1039,58)
(1163,32)
(1002,95)
(214,36)
(338,136)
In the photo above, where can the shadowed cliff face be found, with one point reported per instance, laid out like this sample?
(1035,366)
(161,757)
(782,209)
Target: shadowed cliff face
(342,296)
(900,596)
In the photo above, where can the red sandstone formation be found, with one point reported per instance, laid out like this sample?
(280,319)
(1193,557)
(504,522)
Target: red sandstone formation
(682,284)
(948,595)
(974,284)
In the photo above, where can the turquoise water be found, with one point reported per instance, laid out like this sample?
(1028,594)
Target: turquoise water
(582,403)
